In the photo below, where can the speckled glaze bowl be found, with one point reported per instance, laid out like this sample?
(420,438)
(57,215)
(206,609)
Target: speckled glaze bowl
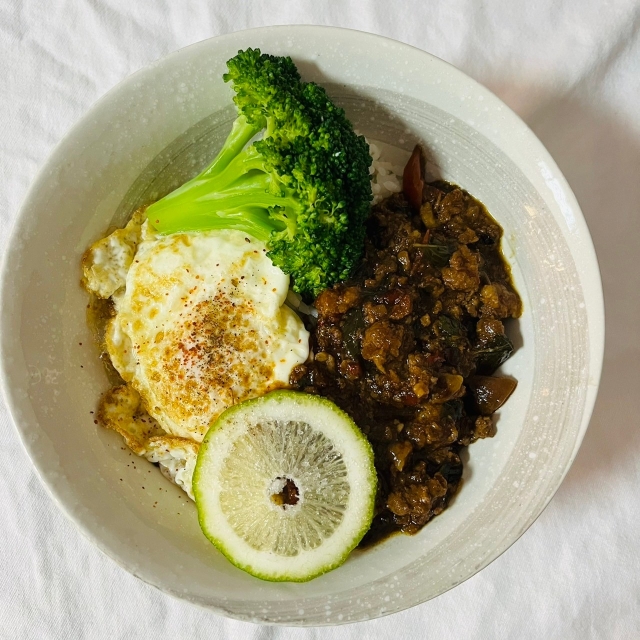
(157,128)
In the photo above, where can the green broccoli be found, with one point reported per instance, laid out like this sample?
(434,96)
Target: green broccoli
(303,188)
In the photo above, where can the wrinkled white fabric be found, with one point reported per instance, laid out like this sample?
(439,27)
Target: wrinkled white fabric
(572,71)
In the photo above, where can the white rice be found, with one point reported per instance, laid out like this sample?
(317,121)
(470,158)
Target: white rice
(294,301)
(386,178)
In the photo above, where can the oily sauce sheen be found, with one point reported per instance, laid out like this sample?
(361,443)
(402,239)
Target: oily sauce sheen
(408,346)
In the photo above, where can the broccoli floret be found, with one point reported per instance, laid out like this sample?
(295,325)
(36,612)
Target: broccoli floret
(303,188)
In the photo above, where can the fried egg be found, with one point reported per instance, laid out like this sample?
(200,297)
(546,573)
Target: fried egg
(121,410)
(200,321)
(106,262)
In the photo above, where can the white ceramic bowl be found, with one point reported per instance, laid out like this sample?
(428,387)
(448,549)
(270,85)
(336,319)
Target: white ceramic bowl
(123,152)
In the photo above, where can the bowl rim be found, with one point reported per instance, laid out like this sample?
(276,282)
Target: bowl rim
(594,301)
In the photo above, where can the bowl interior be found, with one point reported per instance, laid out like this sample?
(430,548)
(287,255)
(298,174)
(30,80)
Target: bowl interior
(157,129)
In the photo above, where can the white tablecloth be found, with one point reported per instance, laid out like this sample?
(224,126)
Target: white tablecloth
(572,71)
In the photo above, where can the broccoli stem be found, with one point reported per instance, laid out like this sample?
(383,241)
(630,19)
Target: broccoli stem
(234,196)
(213,209)
(241,132)
(250,220)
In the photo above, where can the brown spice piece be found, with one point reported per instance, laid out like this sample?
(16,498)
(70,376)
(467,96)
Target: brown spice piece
(413,178)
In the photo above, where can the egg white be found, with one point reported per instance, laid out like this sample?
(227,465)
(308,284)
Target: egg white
(201,325)
(106,262)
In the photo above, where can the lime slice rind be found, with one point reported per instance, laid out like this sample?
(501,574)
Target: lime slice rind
(334,470)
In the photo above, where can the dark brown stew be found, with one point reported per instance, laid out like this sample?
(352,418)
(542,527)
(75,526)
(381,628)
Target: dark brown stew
(409,346)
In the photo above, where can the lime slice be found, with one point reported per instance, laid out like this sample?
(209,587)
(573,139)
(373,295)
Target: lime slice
(285,486)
